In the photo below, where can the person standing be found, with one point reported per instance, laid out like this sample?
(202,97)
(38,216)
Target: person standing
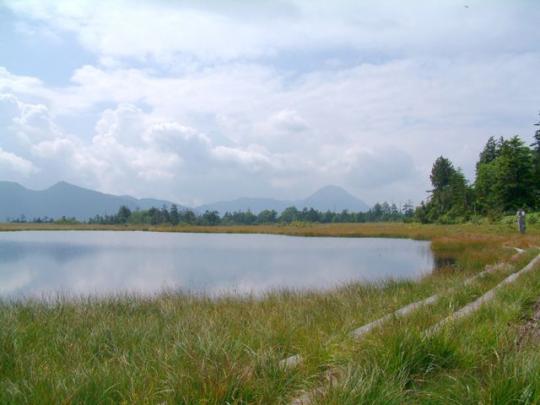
(521,220)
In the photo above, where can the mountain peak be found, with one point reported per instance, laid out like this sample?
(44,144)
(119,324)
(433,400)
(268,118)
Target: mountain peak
(11,184)
(64,199)
(62,185)
(334,198)
(331,189)
(327,198)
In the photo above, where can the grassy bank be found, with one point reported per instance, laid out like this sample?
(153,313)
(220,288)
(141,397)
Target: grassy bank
(500,232)
(177,348)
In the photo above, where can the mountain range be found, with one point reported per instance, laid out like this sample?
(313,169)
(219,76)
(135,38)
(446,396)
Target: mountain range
(329,198)
(64,199)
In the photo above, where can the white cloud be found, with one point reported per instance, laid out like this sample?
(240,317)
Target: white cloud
(252,159)
(130,150)
(10,162)
(122,124)
(232,30)
(24,124)
(375,168)
(19,84)
(54,148)
(288,121)
(289,137)
(192,145)
(209,100)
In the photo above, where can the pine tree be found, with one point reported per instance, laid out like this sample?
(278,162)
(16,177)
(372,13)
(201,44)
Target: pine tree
(441,174)
(486,177)
(514,182)
(188,217)
(486,201)
(490,152)
(536,165)
(451,195)
(164,215)
(174,217)
(536,143)
(123,215)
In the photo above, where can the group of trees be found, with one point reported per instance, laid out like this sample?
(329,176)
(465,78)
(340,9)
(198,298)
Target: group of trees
(153,216)
(43,220)
(507,178)
(38,220)
(173,216)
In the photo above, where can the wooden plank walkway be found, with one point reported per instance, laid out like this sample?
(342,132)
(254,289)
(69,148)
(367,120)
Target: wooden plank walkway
(331,377)
(477,304)
(295,360)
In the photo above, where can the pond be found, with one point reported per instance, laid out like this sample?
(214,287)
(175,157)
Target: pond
(73,263)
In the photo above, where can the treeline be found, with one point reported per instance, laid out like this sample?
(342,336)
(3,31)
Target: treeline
(44,220)
(507,179)
(39,220)
(381,212)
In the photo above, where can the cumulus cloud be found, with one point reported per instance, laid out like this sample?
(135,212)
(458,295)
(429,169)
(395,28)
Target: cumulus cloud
(249,158)
(193,146)
(282,132)
(54,148)
(9,162)
(20,84)
(288,121)
(210,100)
(130,148)
(24,125)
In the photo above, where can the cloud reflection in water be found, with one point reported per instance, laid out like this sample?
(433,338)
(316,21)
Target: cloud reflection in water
(75,263)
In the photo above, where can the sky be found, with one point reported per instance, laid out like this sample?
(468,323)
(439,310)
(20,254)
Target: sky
(198,101)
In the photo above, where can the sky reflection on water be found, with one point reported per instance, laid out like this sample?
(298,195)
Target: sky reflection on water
(34,264)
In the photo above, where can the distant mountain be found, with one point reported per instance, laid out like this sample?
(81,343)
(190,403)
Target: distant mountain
(64,199)
(254,205)
(331,198)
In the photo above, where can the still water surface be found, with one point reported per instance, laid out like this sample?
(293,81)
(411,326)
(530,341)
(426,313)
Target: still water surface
(104,263)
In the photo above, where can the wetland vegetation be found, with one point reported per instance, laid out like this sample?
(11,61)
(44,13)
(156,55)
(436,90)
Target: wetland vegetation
(182,348)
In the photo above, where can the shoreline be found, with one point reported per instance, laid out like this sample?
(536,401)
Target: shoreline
(386,229)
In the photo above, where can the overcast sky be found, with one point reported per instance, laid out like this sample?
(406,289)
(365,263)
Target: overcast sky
(197,101)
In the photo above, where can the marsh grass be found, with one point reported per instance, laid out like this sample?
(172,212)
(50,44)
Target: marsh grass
(476,360)
(180,348)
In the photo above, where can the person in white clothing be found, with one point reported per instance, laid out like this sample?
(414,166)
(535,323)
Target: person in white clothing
(521,220)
